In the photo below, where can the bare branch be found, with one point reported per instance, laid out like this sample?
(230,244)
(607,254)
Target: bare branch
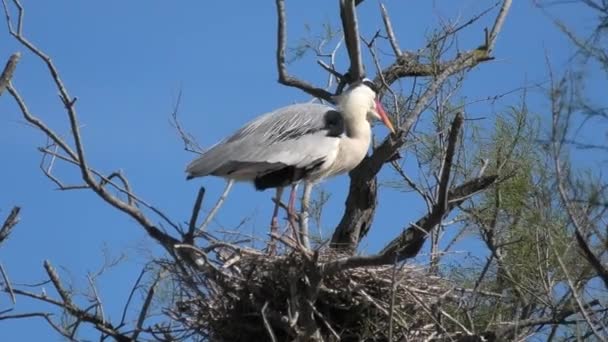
(190,143)
(284,77)
(498,23)
(194,217)
(442,199)
(408,244)
(7,284)
(54,277)
(359,213)
(350,28)
(9,223)
(133,289)
(216,207)
(389,31)
(79,156)
(9,69)
(143,313)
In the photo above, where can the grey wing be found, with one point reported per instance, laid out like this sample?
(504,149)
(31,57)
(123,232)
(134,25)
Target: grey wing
(299,136)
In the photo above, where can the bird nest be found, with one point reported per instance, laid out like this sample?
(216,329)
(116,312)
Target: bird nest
(264,295)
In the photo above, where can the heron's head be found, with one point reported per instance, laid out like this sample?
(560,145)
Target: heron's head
(362,98)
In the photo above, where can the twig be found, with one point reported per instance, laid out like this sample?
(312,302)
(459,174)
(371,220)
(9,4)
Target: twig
(573,288)
(7,284)
(217,206)
(106,180)
(131,294)
(143,313)
(330,70)
(190,143)
(126,186)
(98,302)
(392,304)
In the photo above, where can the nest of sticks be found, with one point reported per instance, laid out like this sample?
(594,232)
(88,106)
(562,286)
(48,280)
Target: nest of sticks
(253,296)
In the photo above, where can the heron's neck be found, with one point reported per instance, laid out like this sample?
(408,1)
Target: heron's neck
(354,106)
(357,126)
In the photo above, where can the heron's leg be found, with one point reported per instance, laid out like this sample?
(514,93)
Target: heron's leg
(292,215)
(291,207)
(274,222)
(304,215)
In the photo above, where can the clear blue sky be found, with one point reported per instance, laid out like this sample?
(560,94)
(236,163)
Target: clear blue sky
(126,62)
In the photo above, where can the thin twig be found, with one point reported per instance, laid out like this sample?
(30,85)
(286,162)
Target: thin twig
(143,313)
(131,294)
(7,284)
(216,207)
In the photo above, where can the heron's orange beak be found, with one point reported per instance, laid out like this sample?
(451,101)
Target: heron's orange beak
(384,116)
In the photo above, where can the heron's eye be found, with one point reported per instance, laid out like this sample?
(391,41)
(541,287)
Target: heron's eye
(371,85)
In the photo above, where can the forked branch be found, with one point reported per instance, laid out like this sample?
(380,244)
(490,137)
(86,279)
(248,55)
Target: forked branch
(359,214)
(77,153)
(408,244)
(284,77)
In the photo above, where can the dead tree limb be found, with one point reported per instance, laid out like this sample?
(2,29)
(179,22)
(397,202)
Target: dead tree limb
(9,224)
(408,244)
(350,28)
(8,71)
(284,77)
(76,153)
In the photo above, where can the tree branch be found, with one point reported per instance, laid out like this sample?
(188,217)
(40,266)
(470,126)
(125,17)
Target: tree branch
(8,71)
(143,313)
(389,31)
(79,155)
(9,223)
(284,77)
(361,201)
(408,244)
(350,28)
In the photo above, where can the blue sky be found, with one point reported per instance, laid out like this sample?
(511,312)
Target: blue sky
(127,61)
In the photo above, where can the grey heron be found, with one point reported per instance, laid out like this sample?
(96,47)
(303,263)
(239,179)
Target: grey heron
(306,141)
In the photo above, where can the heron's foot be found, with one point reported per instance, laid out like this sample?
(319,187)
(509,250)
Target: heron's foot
(294,225)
